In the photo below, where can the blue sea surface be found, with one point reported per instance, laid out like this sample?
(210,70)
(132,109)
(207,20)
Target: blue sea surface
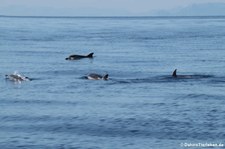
(141,106)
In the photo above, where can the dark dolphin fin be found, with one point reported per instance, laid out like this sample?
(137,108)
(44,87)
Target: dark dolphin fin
(174,73)
(105,77)
(90,55)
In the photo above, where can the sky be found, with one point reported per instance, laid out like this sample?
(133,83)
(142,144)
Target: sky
(94,7)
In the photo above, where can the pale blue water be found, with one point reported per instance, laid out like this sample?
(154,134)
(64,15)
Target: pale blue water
(140,107)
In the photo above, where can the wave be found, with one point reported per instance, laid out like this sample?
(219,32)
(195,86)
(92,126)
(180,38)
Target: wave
(202,96)
(114,127)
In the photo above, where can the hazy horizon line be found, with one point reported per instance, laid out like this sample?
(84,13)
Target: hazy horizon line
(111,16)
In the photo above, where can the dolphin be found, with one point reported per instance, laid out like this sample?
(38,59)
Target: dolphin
(77,57)
(174,75)
(94,76)
(17,77)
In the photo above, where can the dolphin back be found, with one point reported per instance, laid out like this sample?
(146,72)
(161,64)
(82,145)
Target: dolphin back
(90,55)
(77,57)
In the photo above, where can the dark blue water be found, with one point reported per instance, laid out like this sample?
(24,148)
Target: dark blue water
(140,107)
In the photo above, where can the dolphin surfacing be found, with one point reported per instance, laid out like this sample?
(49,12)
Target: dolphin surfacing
(77,57)
(16,77)
(94,76)
(174,75)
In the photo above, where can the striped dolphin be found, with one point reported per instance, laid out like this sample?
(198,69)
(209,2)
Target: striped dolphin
(94,76)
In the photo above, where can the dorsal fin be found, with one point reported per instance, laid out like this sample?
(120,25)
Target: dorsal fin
(174,73)
(105,77)
(90,55)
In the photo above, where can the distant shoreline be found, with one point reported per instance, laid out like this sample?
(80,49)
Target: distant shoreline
(150,17)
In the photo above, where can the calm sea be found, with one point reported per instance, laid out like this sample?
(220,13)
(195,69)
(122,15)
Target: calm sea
(140,107)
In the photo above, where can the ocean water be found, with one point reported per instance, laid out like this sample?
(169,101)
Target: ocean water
(140,107)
